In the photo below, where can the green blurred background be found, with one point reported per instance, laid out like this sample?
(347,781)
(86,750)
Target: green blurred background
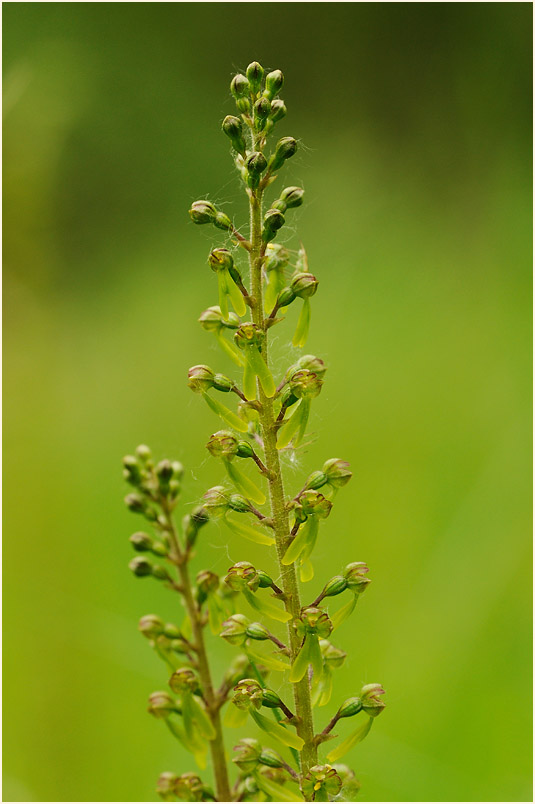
(415,123)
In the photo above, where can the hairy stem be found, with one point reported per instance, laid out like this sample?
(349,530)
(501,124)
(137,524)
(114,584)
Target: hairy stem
(303,705)
(217,747)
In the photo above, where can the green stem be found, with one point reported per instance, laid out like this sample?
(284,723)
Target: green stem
(217,747)
(303,704)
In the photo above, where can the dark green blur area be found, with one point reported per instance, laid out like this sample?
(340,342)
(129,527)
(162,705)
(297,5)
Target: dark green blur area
(415,129)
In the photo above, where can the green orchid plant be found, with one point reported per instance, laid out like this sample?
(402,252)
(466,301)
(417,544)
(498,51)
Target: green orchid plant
(277,637)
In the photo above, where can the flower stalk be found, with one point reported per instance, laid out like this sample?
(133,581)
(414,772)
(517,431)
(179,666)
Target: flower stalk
(271,418)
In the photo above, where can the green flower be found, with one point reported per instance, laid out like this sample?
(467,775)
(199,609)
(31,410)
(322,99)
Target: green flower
(321,782)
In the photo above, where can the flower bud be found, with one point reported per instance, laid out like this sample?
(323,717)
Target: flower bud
(273,221)
(289,198)
(222,444)
(239,668)
(255,74)
(312,363)
(321,783)
(256,165)
(138,505)
(235,629)
(172,631)
(245,450)
(140,567)
(183,679)
(161,705)
(244,106)
(332,656)
(189,787)
(239,503)
(200,516)
(141,542)
(371,702)
(242,574)
(355,575)
(200,378)
(335,586)
(166,784)
(271,700)
(222,383)
(160,573)
(192,523)
(285,297)
(271,759)
(257,631)
(278,110)
(337,472)
(304,285)
(207,581)
(239,86)
(304,384)
(222,221)
(315,504)
(212,320)
(315,621)
(202,212)
(247,756)
(276,257)
(285,148)
(232,127)
(151,626)
(143,453)
(248,694)
(132,471)
(350,707)
(274,82)
(261,111)
(265,580)
(315,480)
(164,472)
(215,500)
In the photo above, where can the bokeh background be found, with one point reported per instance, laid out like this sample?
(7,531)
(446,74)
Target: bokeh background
(415,126)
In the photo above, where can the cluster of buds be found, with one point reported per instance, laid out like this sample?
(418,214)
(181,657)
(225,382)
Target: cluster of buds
(153,482)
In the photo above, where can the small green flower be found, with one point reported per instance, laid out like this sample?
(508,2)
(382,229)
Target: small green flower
(337,472)
(151,626)
(222,444)
(355,575)
(247,757)
(235,629)
(242,574)
(202,212)
(183,679)
(321,783)
(161,705)
(248,694)
(371,701)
